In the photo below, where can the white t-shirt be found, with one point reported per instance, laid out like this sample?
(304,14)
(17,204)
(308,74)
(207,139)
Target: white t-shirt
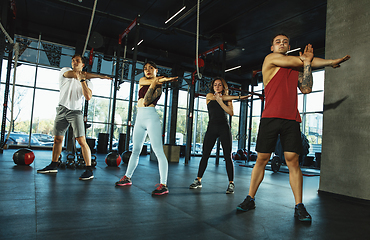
(70,95)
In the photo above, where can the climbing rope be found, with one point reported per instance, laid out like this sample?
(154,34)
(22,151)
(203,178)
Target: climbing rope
(197,43)
(16,54)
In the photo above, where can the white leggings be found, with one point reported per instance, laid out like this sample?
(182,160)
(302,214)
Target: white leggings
(147,122)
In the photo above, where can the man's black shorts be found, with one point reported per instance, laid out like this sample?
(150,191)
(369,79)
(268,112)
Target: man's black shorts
(270,128)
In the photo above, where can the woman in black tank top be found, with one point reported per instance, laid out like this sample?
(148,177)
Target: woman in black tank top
(219,104)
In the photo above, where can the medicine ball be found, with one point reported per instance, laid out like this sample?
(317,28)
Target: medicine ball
(235,156)
(23,156)
(126,156)
(242,155)
(113,159)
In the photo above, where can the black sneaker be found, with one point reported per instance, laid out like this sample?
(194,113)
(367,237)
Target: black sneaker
(48,169)
(301,213)
(124,181)
(87,175)
(247,204)
(230,188)
(195,184)
(160,190)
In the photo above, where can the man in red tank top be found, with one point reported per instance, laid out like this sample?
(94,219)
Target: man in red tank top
(282,74)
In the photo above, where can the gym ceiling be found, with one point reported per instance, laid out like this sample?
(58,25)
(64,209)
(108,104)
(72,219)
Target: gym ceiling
(246,26)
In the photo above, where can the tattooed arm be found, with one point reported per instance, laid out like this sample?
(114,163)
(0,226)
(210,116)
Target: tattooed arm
(305,81)
(153,92)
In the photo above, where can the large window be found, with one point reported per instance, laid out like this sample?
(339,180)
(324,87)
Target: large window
(312,112)
(29,101)
(37,93)
(256,106)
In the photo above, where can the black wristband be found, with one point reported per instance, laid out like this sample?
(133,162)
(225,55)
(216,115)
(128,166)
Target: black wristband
(83,80)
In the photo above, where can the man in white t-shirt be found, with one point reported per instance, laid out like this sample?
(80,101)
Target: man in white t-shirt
(74,84)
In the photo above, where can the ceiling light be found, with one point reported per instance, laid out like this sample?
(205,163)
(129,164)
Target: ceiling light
(138,44)
(175,14)
(297,49)
(230,69)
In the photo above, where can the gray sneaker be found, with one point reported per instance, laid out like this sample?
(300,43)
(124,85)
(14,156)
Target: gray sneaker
(230,188)
(195,184)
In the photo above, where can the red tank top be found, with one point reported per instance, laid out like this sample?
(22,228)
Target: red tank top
(281,99)
(142,92)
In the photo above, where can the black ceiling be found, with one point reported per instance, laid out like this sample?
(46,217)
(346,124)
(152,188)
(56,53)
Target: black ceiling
(246,25)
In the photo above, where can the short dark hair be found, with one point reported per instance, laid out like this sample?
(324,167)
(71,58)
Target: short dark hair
(79,55)
(150,63)
(283,34)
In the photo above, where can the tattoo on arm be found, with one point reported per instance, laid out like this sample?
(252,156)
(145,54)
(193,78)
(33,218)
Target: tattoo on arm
(305,80)
(151,95)
(157,93)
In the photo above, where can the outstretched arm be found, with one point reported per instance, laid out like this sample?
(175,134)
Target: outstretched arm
(294,62)
(305,81)
(145,81)
(84,75)
(93,75)
(229,97)
(334,63)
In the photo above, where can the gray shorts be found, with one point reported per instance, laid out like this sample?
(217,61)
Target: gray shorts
(66,117)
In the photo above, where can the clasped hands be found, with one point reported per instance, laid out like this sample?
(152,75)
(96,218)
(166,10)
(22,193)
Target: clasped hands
(80,75)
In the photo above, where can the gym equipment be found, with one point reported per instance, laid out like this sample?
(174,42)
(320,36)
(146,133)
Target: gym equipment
(80,164)
(80,161)
(126,156)
(91,21)
(102,143)
(121,143)
(61,164)
(71,161)
(275,164)
(93,161)
(23,156)
(242,154)
(5,104)
(77,153)
(252,155)
(235,156)
(113,159)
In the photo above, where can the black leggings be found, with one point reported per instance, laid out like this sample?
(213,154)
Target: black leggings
(213,132)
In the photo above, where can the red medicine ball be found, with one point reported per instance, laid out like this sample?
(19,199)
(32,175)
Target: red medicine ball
(23,156)
(113,159)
